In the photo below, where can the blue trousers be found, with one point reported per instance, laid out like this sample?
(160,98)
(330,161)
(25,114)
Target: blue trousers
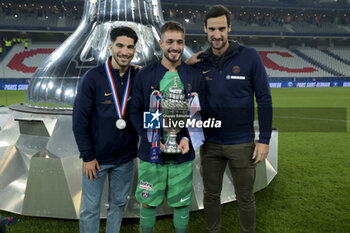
(119,181)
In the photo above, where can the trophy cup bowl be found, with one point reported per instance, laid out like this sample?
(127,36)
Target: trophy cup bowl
(175,109)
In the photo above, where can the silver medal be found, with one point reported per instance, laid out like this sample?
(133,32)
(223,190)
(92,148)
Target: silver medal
(121,123)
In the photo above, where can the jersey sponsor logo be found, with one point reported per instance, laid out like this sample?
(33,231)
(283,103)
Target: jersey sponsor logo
(184,199)
(145,194)
(236,69)
(206,71)
(146,185)
(108,94)
(228,77)
(208,78)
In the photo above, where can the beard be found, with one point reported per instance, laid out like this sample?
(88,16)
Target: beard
(120,60)
(220,46)
(173,60)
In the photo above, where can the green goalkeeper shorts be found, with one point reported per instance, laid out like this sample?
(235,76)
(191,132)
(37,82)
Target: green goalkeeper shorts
(156,181)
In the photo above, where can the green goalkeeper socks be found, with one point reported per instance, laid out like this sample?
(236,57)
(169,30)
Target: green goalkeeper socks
(181,218)
(147,219)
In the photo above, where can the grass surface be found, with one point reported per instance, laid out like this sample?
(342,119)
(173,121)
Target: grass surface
(12,97)
(310,194)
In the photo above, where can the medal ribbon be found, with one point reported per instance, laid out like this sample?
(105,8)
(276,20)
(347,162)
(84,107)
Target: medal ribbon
(155,149)
(196,134)
(120,111)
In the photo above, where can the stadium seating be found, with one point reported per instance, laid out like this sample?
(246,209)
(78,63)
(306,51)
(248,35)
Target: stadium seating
(21,63)
(304,27)
(255,20)
(281,62)
(342,53)
(326,60)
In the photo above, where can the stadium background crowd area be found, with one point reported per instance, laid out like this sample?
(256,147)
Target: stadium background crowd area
(303,43)
(297,40)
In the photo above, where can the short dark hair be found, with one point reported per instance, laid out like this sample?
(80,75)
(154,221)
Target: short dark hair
(172,26)
(216,11)
(123,31)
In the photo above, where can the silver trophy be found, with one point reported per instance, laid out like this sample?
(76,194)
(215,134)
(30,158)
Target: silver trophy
(175,107)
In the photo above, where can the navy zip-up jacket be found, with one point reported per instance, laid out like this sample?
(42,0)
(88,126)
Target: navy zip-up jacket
(146,81)
(95,116)
(230,95)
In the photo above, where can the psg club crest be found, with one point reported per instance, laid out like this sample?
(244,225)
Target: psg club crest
(145,194)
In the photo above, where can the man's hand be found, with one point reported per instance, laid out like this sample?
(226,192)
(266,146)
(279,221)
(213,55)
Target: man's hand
(90,169)
(260,153)
(194,59)
(137,67)
(184,145)
(162,147)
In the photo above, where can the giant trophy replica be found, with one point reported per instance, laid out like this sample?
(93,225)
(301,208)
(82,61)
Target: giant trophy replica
(40,169)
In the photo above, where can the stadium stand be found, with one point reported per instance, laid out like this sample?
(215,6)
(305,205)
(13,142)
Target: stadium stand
(21,63)
(267,21)
(248,17)
(342,54)
(252,22)
(281,62)
(316,62)
(339,68)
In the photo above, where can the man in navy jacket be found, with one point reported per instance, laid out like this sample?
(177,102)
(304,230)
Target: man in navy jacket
(234,74)
(104,134)
(172,177)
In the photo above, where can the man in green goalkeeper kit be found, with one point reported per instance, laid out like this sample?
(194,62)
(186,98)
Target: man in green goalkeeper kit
(171,177)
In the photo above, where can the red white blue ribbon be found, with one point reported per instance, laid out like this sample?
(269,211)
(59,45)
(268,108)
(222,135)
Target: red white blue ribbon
(120,110)
(196,134)
(155,142)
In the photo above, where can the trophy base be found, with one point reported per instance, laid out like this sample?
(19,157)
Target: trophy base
(172,150)
(171,145)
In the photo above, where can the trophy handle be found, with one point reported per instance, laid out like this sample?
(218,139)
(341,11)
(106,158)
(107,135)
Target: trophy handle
(152,99)
(192,108)
(191,97)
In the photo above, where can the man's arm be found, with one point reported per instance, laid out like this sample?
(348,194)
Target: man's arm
(264,101)
(82,111)
(137,106)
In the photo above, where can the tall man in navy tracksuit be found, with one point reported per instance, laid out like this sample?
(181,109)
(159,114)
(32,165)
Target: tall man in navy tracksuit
(171,177)
(234,74)
(104,134)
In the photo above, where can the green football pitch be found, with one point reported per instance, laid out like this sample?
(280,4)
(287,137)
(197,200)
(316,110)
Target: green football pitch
(311,192)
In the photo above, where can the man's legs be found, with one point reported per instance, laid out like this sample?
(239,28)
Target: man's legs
(89,220)
(181,218)
(213,166)
(242,169)
(147,218)
(150,192)
(119,180)
(179,193)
